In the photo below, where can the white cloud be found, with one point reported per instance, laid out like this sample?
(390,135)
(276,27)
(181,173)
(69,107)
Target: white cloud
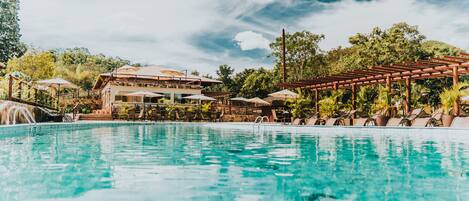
(342,19)
(249,40)
(162,32)
(153,32)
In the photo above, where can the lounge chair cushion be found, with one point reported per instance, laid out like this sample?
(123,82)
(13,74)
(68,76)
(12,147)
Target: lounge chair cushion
(360,121)
(331,121)
(460,122)
(311,121)
(394,122)
(421,122)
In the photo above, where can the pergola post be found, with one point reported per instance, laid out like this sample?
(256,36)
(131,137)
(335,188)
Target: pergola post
(354,99)
(388,82)
(408,92)
(316,99)
(456,82)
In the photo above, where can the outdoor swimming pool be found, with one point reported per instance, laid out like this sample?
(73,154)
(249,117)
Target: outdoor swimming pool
(167,161)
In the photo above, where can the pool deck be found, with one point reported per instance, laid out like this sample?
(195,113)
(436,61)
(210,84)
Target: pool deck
(21,128)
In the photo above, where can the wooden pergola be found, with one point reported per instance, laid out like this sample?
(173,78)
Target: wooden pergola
(446,66)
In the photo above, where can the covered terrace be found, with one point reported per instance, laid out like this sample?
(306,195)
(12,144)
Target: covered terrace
(446,66)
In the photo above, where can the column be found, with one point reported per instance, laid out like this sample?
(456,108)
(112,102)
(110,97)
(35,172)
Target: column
(456,82)
(408,95)
(354,98)
(316,99)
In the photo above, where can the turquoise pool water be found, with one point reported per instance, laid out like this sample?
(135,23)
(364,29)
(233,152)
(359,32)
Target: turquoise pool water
(233,162)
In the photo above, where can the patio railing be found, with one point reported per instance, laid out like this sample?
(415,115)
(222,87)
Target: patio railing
(25,92)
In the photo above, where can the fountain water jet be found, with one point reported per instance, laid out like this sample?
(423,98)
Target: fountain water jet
(13,113)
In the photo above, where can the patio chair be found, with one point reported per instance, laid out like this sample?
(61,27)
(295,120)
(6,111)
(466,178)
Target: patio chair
(460,122)
(312,121)
(340,121)
(131,114)
(219,117)
(404,121)
(432,121)
(360,121)
(371,121)
(297,121)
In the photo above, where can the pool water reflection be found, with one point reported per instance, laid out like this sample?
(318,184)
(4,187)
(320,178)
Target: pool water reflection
(212,162)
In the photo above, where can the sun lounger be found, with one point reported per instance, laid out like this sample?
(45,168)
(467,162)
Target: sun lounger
(339,121)
(312,121)
(431,121)
(394,122)
(360,121)
(331,121)
(405,121)
(460,122)
(297,122)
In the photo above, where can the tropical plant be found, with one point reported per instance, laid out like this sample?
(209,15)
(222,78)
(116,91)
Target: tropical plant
(365,97)
(330,106)
(451,96)
(382,103)
(170,110)
(301,107)
(205,108)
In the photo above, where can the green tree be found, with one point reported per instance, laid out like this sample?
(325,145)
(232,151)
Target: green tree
(303,57)
(81,67)
(397,44)
(195,72)
(435,48)
(224,73)
(258,84)
(38,65)
(10,44)
(238,81)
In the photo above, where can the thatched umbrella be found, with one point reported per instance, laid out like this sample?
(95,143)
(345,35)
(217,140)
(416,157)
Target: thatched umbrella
(258,101)
(58,83)
(200,97)
(285,94)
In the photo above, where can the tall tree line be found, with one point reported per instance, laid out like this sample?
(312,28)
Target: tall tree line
(10,43)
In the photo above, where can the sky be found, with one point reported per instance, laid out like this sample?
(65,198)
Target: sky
(203,34)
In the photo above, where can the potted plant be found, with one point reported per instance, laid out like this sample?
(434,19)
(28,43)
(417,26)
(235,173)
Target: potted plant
(382,106)
(449,97)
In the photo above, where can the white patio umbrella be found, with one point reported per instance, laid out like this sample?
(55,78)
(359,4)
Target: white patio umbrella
(199,97)
(57,83)
(239,99)
(258,101)
(144,94)
(284,94)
